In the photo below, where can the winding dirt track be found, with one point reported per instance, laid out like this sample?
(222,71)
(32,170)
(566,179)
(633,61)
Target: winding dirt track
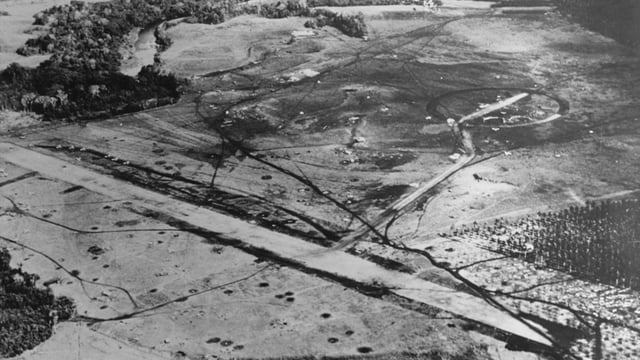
(339,266)
(391,213)
(399,206)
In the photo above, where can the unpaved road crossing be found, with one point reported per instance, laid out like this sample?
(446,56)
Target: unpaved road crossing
(337,265)
(402,204)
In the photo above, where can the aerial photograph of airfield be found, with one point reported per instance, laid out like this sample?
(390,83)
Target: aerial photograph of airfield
(320,179)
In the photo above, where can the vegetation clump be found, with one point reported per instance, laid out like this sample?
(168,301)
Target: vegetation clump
(27,313)
(283,9)
(351,25)
(82,79)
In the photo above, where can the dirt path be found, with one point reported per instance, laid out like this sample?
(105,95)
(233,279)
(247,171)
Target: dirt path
(400,205)
(396,209)
(340,266)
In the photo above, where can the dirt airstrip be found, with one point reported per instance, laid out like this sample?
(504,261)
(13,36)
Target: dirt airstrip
(311,135)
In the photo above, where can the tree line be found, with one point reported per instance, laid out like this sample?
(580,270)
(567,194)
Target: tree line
(81,79)
(28,312)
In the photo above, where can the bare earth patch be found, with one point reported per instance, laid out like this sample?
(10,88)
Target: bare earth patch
(13,120)
(308,137)
(199,49)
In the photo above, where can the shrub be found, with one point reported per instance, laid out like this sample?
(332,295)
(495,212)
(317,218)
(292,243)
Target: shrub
(26,309)
(82,78)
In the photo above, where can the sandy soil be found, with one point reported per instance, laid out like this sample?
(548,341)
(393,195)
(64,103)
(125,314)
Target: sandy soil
(139,50)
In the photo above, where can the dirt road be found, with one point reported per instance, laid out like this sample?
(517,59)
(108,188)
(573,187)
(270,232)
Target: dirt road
(339,266)
(469,154)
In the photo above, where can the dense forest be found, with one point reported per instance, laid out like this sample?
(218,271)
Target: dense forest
(28,312)
(82,79)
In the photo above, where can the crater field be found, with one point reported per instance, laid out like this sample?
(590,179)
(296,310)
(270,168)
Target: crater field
(314,194)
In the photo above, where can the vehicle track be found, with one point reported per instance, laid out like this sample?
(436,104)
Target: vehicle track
(433,104)
(392,213)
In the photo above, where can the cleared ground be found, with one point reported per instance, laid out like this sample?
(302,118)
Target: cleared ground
(311,135)
(199,297)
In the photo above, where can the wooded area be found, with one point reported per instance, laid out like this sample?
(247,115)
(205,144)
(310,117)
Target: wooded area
(28,313)
(81,80)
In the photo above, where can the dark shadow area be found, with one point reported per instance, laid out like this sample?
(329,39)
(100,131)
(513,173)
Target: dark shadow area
(28,312)
(617,19)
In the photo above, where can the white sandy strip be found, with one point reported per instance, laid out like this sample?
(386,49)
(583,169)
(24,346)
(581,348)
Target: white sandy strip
(400,204)
(572,194)
(493,107)
(338,263)
(614,195)
(467,4)
(545,120)
(525,9)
